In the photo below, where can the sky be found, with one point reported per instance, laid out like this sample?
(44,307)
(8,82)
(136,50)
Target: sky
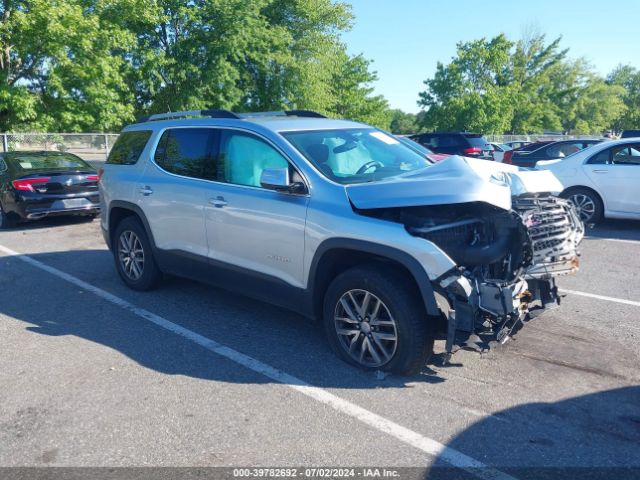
(406,38)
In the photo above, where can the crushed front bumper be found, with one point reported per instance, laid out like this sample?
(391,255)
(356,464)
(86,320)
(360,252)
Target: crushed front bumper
(483,311)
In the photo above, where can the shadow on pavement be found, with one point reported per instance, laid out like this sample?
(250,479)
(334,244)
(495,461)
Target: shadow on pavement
(616,229)
(595,436)
(278,337)
(51,222)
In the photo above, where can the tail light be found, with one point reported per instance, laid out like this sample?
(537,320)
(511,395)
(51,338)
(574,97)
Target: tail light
(26,184)
(93,178)
(476,150)
(507,157)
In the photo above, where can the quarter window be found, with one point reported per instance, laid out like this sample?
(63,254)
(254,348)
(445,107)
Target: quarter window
(128,147)
(187,152)
(243,157)
(601,158)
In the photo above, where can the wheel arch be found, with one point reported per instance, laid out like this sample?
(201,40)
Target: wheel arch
(334,256)
(118,211)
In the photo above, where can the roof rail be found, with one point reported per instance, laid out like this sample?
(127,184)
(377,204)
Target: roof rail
(213,113)
(217,113)
(283,113)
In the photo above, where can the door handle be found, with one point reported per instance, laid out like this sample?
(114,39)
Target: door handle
(146,190)
(601,171)
(218,202)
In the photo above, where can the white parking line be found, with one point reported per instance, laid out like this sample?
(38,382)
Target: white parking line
(414,439)
(601,297)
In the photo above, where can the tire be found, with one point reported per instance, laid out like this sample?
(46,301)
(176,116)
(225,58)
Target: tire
(399,303)
(141,271)
(587,203)
(6,220)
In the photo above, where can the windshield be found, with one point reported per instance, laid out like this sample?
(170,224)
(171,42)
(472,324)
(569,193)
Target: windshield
(356,155)
(47,161)
(413,145)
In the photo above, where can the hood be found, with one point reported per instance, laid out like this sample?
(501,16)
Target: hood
(454,180)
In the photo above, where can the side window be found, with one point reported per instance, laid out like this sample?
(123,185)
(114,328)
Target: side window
(187,152)
(128,147)
(600,158)
(243,157)
(449,141)
(3,165)
(431,141)
(564,149)
(626,155)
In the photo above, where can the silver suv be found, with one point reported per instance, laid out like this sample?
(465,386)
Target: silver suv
(341,222)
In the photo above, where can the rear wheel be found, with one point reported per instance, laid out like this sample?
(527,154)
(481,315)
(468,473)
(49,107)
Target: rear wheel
(587,203)
(7,220)
(374,319)
(134,257)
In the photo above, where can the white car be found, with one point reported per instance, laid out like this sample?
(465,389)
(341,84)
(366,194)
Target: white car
(602,180)
(499,150)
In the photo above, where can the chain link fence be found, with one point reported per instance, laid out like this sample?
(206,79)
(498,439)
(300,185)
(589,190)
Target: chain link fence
(535,137)
(92,147)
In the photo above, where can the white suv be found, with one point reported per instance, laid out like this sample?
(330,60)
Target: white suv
(341,222)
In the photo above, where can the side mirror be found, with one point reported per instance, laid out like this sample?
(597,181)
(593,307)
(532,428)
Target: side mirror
(278,179)
(275,179)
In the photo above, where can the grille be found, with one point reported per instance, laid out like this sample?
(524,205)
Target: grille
(552,224)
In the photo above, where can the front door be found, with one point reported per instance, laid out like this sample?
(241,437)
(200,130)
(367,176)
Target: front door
(257,230)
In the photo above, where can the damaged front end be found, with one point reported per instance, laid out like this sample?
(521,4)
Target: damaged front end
(507,262)
(508,236)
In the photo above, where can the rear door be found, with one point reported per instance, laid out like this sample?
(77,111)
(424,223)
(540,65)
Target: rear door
(616,173)
(174,188)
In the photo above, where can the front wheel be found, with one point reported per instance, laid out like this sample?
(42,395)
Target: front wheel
(134,257)
(374,319)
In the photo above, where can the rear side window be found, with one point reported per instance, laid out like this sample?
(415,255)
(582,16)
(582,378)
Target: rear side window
(128,147)
(3,166)
(187,151)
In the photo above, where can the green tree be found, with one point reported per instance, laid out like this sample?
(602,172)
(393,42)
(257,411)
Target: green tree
(57,68)
(403,123)
(498,86)
(628,78)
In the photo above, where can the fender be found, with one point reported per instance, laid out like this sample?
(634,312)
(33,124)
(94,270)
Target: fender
(135,209)
(403,258)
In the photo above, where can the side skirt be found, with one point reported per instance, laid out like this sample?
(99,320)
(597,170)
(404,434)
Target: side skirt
(235,279)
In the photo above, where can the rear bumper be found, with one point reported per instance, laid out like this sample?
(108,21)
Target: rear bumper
(32,206)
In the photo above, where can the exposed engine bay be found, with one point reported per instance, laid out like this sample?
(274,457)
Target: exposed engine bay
(507,261)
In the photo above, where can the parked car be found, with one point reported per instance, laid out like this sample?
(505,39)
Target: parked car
(601,181)
(420,149)
(630,134)
(499,150)
(530,154)
(338,221)
(517,144)
(35,185)
(464,144)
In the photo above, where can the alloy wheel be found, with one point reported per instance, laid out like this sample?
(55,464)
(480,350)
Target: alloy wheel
(585,206)
(365,327)
(131,255)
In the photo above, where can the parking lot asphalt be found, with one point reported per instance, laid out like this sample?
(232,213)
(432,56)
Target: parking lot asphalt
(94,374)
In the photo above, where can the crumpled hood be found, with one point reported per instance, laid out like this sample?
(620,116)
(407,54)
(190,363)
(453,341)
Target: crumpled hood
(454,180)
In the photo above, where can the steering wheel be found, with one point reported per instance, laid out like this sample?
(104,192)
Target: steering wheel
(368,165)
